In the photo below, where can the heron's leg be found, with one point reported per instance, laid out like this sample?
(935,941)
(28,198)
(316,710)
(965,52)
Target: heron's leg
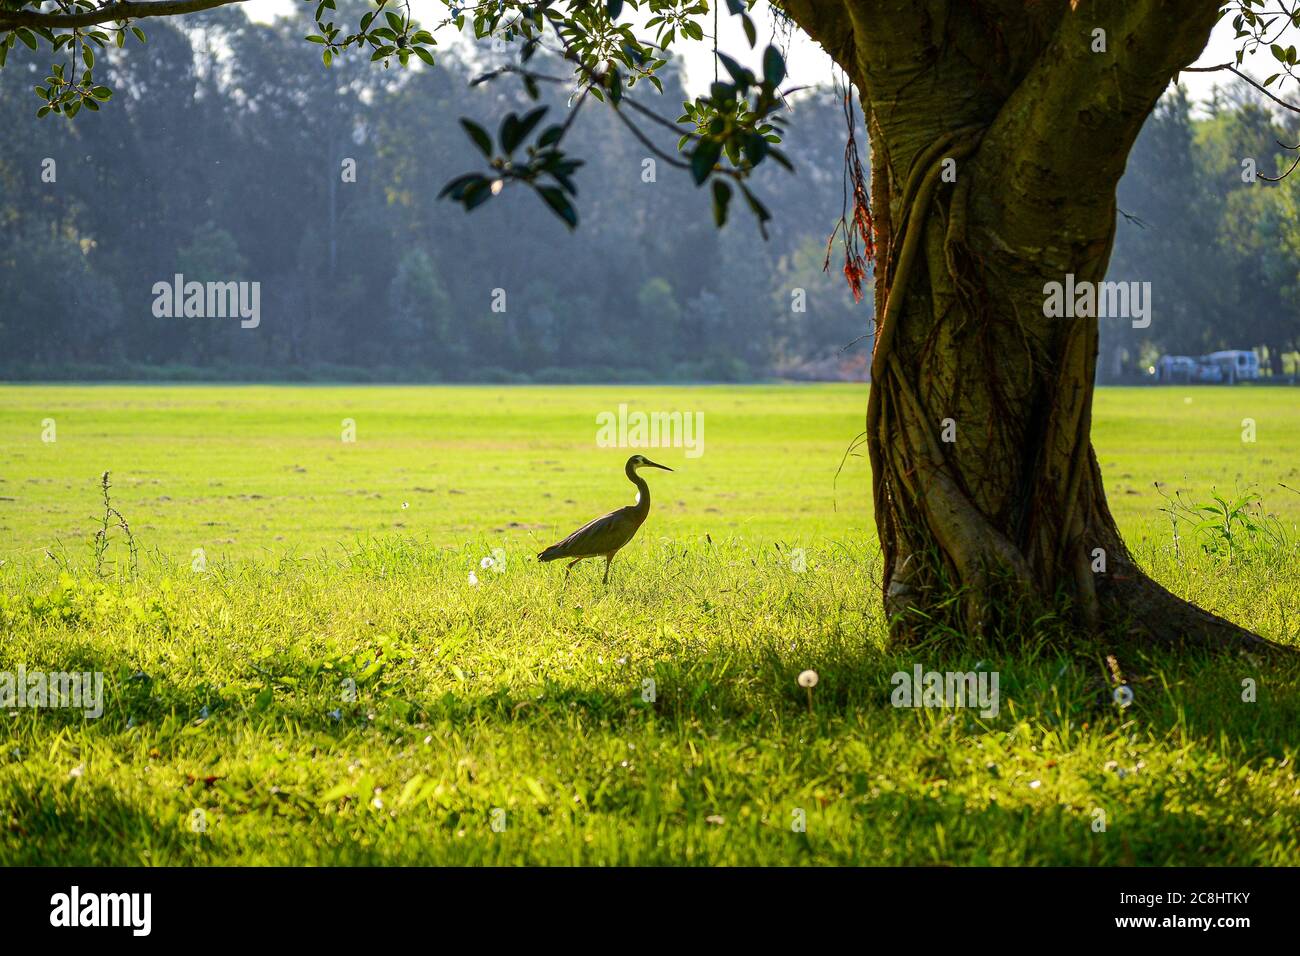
(569,567)
(609,559)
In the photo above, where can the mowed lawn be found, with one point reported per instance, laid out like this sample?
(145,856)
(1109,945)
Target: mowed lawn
(315,661)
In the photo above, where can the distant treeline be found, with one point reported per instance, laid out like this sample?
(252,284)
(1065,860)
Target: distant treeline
(321,185)
(1219,244)
(229,154)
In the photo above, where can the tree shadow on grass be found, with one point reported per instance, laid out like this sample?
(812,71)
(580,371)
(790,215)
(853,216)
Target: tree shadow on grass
(1252,704)
(732,697)
(1139,832)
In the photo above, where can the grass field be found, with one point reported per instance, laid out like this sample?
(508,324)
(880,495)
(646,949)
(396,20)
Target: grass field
(506,721)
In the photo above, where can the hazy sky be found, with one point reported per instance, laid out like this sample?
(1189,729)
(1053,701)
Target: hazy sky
(806,61)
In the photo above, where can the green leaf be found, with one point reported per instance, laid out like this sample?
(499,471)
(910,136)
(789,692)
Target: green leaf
(738,73)
(479,135)
(535,789)
(515,130)
(722,93)
(508,136)
(704,158)
(409,790)
(758,209)
(550,136)
(456,188)
(755,148)
(773,66)
(477,193)
(559,204)
(338,792)
(721,201)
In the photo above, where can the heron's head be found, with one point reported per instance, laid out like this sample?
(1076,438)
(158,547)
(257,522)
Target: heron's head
(641,461)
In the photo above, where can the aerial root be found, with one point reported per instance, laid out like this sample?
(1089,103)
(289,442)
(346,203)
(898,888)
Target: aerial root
(918,193)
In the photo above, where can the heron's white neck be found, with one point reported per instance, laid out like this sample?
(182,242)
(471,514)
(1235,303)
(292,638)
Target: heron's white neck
(642,489)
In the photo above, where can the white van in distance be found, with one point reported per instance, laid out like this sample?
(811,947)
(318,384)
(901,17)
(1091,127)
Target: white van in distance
(1237,365)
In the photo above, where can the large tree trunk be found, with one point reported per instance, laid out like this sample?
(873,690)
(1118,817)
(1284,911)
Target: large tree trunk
(988,498)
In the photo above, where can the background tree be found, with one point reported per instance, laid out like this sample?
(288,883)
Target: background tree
(327,252)
(419,305)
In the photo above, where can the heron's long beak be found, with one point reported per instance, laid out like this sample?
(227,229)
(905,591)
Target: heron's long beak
(651,464)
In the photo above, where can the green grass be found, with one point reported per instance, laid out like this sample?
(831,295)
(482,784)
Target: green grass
(225,690)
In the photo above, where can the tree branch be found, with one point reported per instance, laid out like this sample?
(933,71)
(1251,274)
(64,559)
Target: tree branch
(1066,131)
(108,13)
(1248,79)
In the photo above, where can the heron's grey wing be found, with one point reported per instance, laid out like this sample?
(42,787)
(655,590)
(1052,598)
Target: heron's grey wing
(600,536)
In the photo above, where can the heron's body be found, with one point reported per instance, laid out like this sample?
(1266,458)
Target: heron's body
(606,535)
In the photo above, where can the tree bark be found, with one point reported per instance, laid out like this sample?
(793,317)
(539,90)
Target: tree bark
(999,130)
